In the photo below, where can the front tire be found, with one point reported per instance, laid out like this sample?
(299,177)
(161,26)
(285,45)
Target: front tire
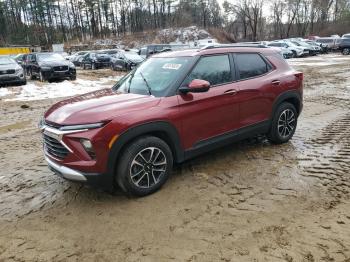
(144,166)
(284,123)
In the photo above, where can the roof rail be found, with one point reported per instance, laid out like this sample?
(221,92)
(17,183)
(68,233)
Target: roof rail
(233,45)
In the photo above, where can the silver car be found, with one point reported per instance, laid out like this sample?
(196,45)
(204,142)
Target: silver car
(11,72)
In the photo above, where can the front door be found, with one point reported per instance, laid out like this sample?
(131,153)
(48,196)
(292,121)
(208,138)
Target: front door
(212,113)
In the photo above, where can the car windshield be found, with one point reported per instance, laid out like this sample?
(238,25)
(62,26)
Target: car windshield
(132,56)
(6,61)
(156,74)
(50,57)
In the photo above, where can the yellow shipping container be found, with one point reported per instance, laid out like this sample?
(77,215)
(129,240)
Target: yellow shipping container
(14,50)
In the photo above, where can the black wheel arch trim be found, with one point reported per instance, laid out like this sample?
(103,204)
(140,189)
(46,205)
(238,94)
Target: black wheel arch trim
(130,134)
(292,94)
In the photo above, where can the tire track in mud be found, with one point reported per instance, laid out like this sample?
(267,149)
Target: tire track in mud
(327,157)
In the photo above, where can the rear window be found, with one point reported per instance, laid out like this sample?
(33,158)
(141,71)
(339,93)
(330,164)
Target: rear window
(251,65)
(214,69)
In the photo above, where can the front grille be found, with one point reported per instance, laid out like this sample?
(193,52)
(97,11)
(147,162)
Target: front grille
(60,68)
(7,72)
(54,147)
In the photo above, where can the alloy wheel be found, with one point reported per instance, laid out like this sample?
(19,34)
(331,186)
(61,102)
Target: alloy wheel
(148,167)
(286,123)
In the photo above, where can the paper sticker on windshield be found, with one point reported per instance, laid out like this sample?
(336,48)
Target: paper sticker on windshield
(172,66)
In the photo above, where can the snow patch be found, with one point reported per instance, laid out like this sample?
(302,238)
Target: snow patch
(33,91)
(5,92)
(184,35)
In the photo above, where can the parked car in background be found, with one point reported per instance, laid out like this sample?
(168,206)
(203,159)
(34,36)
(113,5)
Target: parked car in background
(320,48)
(284,51)
(48,66)
(173,107)
(20,59)
(11,72)
(125,60)
(296,50)
(329,42)
(76,57)
(95,60)
(148,50)
(344,46)
(309,48)
(346,36)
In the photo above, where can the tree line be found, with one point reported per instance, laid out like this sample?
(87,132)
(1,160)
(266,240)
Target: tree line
(43,22)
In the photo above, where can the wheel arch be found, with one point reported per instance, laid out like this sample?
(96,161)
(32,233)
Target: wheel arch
(292,97)
(161,129)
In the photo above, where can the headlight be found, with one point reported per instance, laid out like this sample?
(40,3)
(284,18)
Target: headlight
(19,71)
(78,127)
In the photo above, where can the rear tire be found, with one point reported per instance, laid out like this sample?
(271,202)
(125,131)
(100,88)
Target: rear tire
(346,51)
(284,123)
(144,166)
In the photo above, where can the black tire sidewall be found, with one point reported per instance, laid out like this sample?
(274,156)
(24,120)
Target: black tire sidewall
(122,176)
(273,134)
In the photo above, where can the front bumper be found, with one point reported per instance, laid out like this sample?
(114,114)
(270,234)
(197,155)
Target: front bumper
(12,78)
(76,165)
(103,181)
(51,74)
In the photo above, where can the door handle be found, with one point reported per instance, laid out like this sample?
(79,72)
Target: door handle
(230,92)
(276,82)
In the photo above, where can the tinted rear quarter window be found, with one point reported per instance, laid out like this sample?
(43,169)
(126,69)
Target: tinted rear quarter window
(250,65)
(214,69)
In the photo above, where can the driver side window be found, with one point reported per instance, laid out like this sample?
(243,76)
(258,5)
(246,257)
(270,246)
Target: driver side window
(214,69)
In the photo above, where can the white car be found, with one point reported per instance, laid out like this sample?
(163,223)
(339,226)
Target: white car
(297,50)
(74,58)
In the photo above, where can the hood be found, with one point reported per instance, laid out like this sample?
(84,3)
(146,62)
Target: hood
(54,63)
(9,67)
(97,106)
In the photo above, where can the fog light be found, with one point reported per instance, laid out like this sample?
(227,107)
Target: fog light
(88,147)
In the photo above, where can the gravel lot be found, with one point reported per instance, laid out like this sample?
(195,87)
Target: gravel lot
(250,201)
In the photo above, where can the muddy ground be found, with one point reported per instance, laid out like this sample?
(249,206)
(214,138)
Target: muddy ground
(250,201)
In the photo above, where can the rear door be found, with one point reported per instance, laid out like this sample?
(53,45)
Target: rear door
(212,113)
(256,85)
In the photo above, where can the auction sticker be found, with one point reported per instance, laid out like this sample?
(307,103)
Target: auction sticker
(172,66)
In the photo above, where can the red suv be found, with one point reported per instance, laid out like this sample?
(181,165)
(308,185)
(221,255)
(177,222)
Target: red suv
(172,107)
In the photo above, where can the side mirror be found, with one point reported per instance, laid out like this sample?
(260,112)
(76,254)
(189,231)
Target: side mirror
(196,86)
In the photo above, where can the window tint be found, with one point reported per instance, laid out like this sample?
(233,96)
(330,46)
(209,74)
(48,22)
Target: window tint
(250,65)
(214,69)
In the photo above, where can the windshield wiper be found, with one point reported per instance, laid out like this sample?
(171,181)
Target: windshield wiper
(148,87)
